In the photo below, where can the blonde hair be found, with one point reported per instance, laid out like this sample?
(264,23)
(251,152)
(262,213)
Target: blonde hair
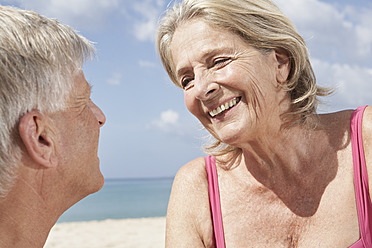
(37,58)
(263,26)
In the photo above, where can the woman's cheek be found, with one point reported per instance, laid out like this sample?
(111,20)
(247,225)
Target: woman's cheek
(190,102)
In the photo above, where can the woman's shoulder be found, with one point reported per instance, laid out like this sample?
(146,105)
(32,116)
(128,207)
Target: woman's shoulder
(367,123)
(193,172)
(342,115)
(190,185)
(188,215)
(367,135)
(337,127)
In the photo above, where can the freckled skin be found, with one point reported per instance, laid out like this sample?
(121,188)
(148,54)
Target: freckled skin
(289,187)
(59,167)
(244,72)
(80,125)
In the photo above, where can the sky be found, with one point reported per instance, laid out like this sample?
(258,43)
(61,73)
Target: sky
(149,132)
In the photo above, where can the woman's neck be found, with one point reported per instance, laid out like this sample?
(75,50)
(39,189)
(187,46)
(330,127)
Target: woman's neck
(296,164)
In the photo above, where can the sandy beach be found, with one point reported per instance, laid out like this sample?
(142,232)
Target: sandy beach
(126,233)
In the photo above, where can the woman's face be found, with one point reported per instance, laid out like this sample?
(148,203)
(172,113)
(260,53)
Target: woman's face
(231,87)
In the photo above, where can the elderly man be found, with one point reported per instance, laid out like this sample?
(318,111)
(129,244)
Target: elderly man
(49,126)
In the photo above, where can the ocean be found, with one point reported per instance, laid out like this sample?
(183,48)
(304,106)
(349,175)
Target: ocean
(122,199)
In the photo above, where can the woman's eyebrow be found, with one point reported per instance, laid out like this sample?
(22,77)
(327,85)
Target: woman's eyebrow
(206,54)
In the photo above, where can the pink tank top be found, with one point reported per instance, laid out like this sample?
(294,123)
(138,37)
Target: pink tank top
(363,200)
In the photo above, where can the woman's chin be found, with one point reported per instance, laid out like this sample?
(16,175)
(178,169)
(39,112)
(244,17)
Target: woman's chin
(229,139)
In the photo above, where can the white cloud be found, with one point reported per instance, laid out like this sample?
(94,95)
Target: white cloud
(149,11)
(339,37)
(169,117)
(353,84)
(333,32)
(173,123)
(80,14)
(115,79)
(167,122)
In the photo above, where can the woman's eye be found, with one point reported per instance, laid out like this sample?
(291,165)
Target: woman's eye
(185,82)
(221,61)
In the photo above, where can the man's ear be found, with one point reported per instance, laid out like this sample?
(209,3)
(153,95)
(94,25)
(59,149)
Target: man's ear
(37,138)
(283,65)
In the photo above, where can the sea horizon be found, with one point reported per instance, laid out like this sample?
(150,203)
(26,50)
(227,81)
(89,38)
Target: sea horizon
(123,198)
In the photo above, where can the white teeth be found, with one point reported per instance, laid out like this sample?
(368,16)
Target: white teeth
(223,107)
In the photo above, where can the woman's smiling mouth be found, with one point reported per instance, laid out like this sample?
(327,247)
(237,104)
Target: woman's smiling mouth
(223,107)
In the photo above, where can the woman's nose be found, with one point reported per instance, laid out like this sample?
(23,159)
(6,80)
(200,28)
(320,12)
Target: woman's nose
(205,87)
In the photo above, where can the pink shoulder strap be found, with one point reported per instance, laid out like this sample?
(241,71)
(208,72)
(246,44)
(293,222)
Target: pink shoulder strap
(214,199)
(364,205)
(362,196)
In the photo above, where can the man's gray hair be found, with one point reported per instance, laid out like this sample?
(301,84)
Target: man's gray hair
(38,56)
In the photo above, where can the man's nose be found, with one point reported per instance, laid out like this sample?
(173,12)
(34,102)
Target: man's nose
(98,113)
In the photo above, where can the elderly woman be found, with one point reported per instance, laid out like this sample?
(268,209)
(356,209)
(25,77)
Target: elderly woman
(279,174)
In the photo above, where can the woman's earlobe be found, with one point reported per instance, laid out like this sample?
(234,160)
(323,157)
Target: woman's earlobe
(37,139)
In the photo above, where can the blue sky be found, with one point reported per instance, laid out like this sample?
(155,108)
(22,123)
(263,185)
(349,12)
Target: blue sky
(149,132)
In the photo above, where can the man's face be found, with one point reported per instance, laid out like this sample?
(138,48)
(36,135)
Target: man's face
(78,132)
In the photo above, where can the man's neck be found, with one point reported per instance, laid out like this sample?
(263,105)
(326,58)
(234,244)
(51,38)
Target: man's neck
(25,220)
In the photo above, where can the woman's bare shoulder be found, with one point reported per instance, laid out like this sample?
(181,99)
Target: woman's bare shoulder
(337,117)
(367,135)
(367,123)
(190,183)
(367,141)
(337,127)
(193,171)
(188,216)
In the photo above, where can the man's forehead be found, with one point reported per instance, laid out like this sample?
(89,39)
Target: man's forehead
(81,85)
(80,76)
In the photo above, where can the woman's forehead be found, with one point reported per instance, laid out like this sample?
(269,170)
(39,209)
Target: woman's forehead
(199,40)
